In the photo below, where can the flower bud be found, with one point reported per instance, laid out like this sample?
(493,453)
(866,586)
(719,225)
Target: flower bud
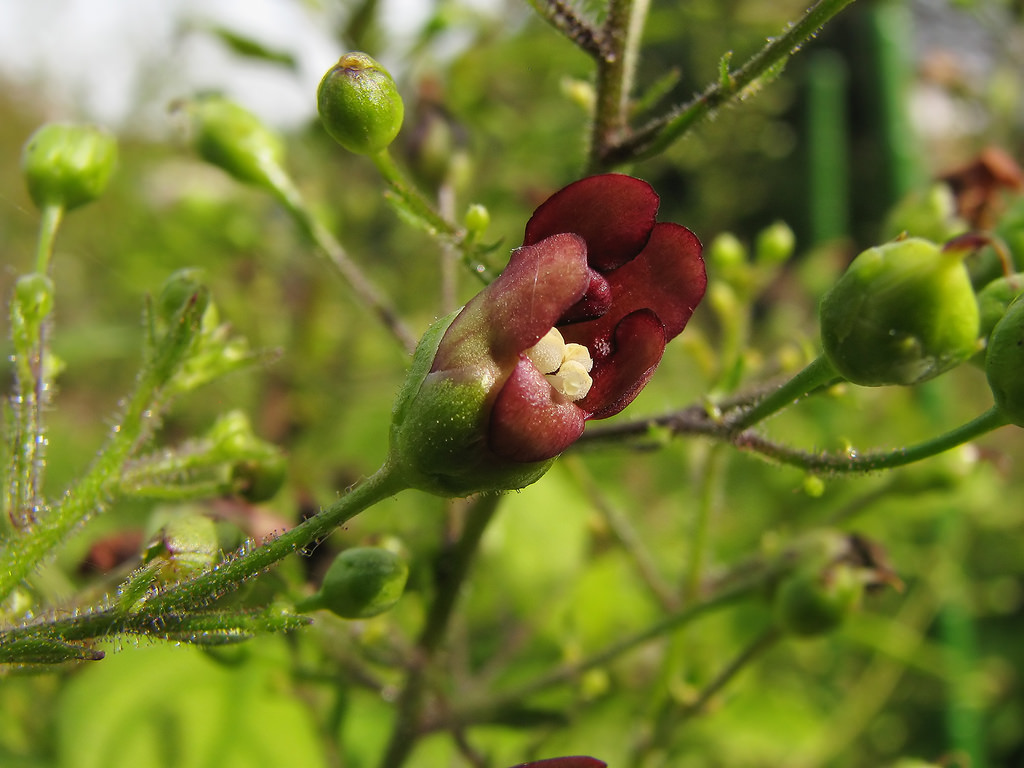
(360,583)
(902,313)
(1004,363)
(775,244)
(359,104)
(68,164)
(235,140)
(477,220)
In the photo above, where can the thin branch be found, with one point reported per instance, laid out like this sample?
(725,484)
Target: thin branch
(661,132)
(563,17)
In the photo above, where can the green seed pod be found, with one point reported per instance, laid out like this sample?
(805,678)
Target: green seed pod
(1004,363)
(68,164)
(361,582)
(902,313)
(34,296)
(811,602)
(235,140)
(359,104)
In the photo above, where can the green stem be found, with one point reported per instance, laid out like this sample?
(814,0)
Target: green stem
(454,567)
(364,289)
(660,133)
(385,482)
(477,711)
(23,554)
(564,17)
(408,193)
(876,460)
(614,78)
(52,215)
(711,486)
(818,373)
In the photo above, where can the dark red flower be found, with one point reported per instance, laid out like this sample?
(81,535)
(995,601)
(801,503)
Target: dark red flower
(602,286)
(644,281)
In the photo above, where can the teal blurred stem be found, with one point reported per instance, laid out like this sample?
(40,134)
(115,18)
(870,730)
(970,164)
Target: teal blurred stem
(828,148)
(964,713)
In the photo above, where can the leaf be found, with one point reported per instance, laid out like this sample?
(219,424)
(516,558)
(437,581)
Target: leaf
(251,49)
(178,708)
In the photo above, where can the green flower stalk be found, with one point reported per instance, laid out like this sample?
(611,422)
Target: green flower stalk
(359,104)
(903,313)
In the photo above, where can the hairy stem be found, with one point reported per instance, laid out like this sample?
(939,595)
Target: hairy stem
(874,460)
(818,373)
(661,132)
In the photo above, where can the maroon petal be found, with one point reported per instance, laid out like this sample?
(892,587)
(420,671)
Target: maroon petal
(668,277)
(623,368)
(565,762)
(595,302)
(613,213)
(541,282)
(530,421)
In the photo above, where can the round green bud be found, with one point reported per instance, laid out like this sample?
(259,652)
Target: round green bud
(34,296)
(359,104)
(726,251)
(235,140)
(1004,363)
(68,164)
(902,313)
(360,583)
(775,244)
(477,219)
(811,602)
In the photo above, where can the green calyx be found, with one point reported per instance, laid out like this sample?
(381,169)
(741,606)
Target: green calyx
(903,312)
(359,104)
(235,140)
(439,428)
(1004,363)
(68,164)
(361,582)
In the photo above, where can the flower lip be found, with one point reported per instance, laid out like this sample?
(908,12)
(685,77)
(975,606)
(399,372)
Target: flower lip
(613,213)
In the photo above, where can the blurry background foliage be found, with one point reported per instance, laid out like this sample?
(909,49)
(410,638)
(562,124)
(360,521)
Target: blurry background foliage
(888,96)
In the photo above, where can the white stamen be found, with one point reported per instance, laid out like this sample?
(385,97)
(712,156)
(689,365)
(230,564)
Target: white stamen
(566,366)
(547,353)
(572,380)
